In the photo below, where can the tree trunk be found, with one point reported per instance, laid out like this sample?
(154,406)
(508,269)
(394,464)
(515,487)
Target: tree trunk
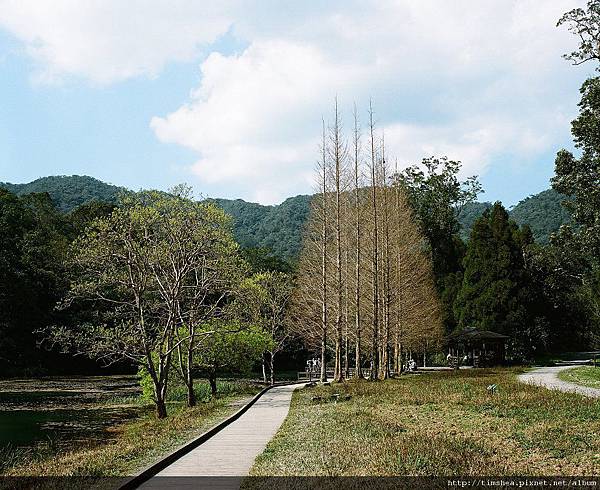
(264,369)
(346,357)
(375,257)
(191,395)
(271,370)
(212,379)
(161,408)
(357,237)
(338,376)
(323,376)
(159,387)
(189,381)
(324,237)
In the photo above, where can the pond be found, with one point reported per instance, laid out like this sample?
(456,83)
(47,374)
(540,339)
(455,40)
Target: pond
(63,411)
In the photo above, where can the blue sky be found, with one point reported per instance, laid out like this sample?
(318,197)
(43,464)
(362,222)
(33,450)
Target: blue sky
(228,96)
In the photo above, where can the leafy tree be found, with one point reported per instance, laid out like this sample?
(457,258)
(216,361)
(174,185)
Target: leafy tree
(262,259)
(140,271)
(32,252)
(266,297)
(495,293)
(229,347)
(585,24)
(438,198)
(212,285)
(579,178)
(560,272)
(81,217)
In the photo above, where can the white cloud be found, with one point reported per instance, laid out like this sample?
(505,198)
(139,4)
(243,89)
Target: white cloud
(473,80)
(479,71)
(112,40)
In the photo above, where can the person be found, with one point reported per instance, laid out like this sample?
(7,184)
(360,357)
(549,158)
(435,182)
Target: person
(412,365)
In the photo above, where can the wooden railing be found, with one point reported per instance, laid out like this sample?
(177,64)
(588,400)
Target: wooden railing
(315,375)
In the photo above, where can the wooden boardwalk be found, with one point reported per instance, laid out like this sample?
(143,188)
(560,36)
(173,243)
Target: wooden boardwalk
(232,451)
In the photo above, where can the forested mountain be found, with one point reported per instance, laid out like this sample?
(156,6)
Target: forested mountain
(280,227)
(68,191)
(543,212)
(469,214)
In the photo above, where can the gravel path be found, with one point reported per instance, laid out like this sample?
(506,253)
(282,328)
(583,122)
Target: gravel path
(548,378)
(231,452)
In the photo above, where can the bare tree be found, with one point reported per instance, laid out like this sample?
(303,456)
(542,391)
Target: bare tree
(357,248)
(375,250)
(337,152)
(373,267)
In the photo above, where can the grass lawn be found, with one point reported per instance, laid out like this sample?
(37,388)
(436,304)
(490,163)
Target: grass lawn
(584,375)
(133,445)
(436,424)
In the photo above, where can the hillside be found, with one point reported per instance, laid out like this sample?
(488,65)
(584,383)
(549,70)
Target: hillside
(469,214)
(543,212)
(68,191)
(276,227)
(280,227)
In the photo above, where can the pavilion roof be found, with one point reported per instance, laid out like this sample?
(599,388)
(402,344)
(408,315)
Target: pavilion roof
(472,333)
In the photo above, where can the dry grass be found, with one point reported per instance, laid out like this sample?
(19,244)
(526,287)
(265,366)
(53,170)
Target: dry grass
(436,424)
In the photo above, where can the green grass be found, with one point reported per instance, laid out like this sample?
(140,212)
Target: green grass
(585,375)
(436,424)
(133,445)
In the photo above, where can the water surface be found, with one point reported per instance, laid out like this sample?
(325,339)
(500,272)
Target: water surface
(64,411)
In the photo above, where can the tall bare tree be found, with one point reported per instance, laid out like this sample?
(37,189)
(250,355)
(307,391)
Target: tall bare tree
(357,248)
(375,249)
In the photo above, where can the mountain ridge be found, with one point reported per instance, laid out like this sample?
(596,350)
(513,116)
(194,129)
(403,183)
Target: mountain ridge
(279,227)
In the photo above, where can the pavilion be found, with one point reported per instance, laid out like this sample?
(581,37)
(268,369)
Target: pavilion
(477,348)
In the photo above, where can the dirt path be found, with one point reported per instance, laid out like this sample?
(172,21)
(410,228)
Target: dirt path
(548,378)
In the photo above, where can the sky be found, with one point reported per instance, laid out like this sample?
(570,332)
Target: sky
(228,96)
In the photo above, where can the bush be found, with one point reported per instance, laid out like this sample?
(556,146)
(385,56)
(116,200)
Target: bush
(146,384)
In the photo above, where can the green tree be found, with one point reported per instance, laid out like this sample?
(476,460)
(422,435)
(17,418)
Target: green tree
(266,297)
(140,271)
(585,24)
(262,259)
(495,293)
(560,272)
(579,178)
(438,197)
(229,347)
(33,247)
